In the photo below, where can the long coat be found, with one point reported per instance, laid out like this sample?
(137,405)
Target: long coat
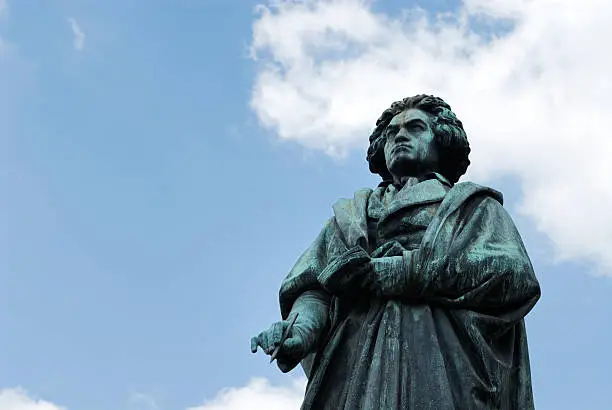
(455,338)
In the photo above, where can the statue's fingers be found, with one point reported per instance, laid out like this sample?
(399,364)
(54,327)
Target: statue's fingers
(254,344)
(277,333)
(259,341)
(268,344)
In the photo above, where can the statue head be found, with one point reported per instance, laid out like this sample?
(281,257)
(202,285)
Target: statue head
(418,134)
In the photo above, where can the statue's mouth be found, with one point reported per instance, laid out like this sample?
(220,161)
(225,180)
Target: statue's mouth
(401,146)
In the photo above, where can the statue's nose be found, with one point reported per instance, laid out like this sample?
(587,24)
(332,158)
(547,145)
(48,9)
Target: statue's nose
(401,136)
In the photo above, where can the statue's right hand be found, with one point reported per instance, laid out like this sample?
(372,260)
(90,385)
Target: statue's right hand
(297,345)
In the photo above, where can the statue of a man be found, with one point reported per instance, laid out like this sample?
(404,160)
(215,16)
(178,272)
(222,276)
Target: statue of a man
(413,296)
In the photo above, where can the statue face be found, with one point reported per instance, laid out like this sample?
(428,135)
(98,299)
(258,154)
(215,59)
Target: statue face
(410,149)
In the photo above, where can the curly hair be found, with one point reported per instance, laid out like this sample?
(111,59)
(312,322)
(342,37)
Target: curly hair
(449,136)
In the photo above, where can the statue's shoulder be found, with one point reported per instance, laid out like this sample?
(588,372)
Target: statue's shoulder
(360,196)
(357,205)
(462,191)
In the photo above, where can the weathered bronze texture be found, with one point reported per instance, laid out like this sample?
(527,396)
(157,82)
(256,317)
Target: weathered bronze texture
(413,296)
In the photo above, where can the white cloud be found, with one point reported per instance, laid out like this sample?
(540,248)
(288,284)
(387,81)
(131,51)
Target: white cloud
(79,36)
(144,401)
(18,399)
(534,101)
(258,394)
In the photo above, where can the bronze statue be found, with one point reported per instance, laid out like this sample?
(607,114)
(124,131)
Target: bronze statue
(413,296)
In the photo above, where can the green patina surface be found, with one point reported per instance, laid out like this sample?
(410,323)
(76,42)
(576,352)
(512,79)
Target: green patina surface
(413,296)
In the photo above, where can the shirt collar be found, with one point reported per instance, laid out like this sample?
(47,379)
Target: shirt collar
(438,176)
(429,175)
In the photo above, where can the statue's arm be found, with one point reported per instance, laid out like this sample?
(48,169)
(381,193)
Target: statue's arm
(482,266)
(301,291)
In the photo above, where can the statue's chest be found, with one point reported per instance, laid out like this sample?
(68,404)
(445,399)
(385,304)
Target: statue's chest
(407,226)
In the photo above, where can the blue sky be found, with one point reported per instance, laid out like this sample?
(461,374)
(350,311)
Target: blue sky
(149,213)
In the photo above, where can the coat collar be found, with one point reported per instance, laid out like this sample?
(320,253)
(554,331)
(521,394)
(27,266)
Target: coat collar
(432,188)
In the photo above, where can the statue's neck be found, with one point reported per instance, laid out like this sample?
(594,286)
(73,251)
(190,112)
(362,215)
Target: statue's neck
(406,181)
(401,181)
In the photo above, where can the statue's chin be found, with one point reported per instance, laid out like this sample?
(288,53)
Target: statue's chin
(403,167)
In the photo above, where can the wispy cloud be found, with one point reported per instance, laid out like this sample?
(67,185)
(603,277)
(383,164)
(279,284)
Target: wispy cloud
(144,401)
(79,36)
(18,399)
(534,99)
(258,394)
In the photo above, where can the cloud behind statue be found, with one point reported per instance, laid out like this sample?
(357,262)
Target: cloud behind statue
(533,96)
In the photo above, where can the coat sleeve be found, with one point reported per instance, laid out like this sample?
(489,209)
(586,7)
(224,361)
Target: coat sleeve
(303,276)
(479,263)
(301,291)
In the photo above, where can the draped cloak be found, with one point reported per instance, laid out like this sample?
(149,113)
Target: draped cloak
(455,338)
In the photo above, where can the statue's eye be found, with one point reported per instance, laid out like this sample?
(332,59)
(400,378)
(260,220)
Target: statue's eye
(391,130)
